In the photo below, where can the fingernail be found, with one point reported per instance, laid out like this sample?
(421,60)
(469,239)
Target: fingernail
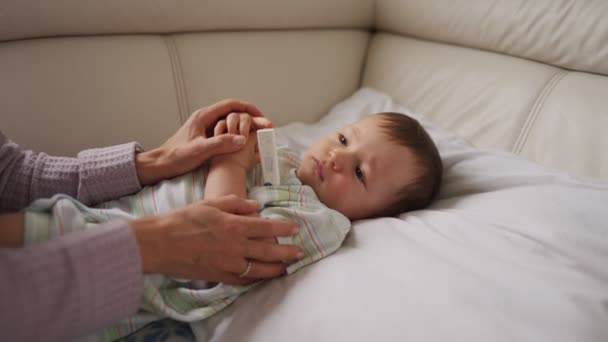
(300,255)
(295,229)
(238,140)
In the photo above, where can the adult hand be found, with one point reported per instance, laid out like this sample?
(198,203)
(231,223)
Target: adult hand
(194,143)
(213,240)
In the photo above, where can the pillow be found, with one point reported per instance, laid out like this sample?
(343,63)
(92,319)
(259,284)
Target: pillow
(510,251)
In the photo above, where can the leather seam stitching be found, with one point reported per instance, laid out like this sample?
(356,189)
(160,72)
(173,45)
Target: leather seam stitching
(535,112)
(178,80)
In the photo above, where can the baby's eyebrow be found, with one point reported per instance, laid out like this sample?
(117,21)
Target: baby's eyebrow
(356,132)
(373,170)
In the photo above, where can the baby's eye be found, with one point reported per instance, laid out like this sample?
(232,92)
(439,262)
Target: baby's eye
(342,139)
(359,173)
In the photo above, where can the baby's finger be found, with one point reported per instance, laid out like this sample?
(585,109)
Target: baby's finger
(220,128)
(244,124)
(232,122)
(262,122)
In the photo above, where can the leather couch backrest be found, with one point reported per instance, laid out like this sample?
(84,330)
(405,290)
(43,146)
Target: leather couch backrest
(79,74)
(571,34)
(517,75)
(38,19)
(523,76)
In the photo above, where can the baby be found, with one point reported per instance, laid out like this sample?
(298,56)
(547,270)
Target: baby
(382,165)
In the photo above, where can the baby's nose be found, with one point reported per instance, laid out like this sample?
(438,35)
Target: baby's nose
(337,160)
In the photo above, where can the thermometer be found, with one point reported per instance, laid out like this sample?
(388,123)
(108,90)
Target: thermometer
(269,159)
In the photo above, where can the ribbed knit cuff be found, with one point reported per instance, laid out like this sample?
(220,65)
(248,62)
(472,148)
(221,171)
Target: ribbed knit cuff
(107,173)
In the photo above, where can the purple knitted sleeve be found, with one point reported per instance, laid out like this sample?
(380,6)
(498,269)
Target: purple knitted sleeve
(80,282)
(71,286)
(96,175)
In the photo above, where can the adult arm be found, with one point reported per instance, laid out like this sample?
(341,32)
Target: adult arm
(84,280)
(93,176)
(101,174)
(48,289)
(45,287)
(69,287)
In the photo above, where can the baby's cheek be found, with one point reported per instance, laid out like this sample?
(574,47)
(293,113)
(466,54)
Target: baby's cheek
(340,186)
(332,198)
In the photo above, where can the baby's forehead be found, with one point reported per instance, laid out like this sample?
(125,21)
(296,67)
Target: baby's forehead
(373,119)
(394,164)
(363,126)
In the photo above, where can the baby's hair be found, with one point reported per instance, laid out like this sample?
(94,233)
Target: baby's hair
(419,193)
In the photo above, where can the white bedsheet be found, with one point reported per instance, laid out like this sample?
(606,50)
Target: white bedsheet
(511,251)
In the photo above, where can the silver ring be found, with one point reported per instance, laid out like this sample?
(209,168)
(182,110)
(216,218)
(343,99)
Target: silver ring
(247,270)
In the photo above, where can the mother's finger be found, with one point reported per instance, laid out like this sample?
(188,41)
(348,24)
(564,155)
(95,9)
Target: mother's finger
(231,264)
(257,227)
(261,270)
(220,128)
(271,252)
(211,114)
(267,239)
(232,204)
(233,279)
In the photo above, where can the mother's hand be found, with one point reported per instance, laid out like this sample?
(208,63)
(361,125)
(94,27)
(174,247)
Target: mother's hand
(194,143)
(213,240)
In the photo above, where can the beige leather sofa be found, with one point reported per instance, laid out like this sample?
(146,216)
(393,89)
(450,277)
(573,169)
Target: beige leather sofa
(526,76)
(523,76)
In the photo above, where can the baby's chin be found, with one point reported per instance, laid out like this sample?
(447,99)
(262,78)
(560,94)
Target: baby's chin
(320,195)
(302,176)
(306,179)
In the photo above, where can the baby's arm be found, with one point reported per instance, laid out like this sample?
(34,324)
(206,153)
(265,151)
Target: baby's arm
(225,177)
(228,172)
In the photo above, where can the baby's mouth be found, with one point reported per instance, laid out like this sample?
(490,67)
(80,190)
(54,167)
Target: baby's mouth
(318,168)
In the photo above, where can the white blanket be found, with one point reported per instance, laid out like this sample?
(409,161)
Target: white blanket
(511,251)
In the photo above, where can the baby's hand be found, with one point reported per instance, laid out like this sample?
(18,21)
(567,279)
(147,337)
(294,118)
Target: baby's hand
(235,123)
(247,157)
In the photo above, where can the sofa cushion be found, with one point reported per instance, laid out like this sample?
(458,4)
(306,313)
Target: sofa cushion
(570,34)
(62,95)
(104,90)
(567,128)
(34,19)
(548,114)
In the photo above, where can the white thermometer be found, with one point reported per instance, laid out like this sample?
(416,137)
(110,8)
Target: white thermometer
(268,156)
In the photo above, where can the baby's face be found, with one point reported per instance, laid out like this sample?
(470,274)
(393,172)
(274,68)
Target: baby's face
(357,170)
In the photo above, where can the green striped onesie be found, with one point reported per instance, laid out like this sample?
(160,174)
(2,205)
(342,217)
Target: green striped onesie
(322,231)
